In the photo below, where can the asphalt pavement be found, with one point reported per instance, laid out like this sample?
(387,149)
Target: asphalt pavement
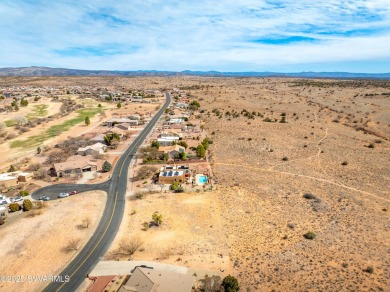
(111,219)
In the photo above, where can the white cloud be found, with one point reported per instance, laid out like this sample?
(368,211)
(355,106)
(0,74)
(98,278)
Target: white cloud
(197,35)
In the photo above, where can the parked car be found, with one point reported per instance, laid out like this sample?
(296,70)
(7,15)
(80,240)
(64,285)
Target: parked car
(3,202)
(44,198)
(63,195)
(73,193)
(17,199)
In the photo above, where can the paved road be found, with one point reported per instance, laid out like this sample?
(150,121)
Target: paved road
(112,215)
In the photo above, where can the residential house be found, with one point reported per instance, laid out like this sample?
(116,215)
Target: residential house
(98,138)
(151,280)
(13,178)
(134,117)
(170,174)
(172,151)
(123,126)
(97,148)
(167,138)
(75,165)
(176,121)
(167,134)
(182,105)
(115,121)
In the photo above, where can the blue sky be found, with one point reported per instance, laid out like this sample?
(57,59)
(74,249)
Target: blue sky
(230,35)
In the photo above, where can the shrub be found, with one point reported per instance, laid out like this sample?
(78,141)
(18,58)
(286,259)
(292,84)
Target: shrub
(369,270)
(72,245)
(145,225)
(309,235)
(344,163)
(14,207)
(285,158)
(230,284)
(155,144)
(129,247)
(11,168)
(24,193)
(27,205)
(309,196)
(371,145)
(157,219)
(139,195)
(106,167)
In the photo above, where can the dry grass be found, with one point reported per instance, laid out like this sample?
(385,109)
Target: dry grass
(253,226)
(127,248)
(72,245)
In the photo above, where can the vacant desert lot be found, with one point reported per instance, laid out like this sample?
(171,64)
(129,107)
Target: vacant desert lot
(264,169)
(191,233)
(33,246)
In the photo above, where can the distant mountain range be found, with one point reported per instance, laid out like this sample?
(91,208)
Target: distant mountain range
(47,71)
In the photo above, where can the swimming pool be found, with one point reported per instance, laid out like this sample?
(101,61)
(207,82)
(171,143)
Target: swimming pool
(202,179)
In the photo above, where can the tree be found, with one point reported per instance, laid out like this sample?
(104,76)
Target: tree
(11,168)
(56,156)
(149,153)
(20,120)
(205,143)
(87,120)
(157,219)
(106,167)
(145,172)
(86,222)
(13,207)
(99,105)
(182,156)
(183,143)
(155,144)
(40,173)
(195,103)
(200,151)
(230,284)
(24,193)
(27,205)
(118,105)
(108,139)
(39,150)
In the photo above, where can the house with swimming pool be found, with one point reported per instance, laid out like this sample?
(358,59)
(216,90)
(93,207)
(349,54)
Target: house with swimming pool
(174,173)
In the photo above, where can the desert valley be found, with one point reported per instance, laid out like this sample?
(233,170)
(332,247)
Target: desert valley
(297,195)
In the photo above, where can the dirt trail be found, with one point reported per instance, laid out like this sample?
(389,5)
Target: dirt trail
(305,176)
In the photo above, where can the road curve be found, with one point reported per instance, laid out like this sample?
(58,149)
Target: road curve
(111,219)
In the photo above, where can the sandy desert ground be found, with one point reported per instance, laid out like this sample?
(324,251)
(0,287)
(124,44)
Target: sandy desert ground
(33,246)
(334,146)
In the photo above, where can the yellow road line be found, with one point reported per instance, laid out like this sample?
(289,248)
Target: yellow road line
(101,238)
